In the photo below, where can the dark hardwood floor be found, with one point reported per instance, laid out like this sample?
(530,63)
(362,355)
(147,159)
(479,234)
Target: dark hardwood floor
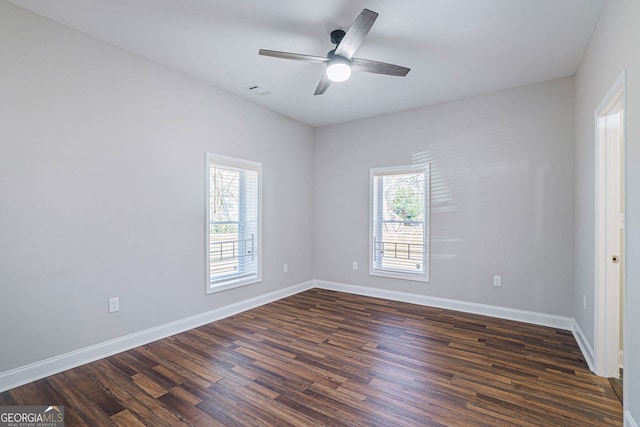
(616,383)
(328,358)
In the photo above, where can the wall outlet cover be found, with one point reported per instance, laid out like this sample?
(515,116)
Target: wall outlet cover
(114,304)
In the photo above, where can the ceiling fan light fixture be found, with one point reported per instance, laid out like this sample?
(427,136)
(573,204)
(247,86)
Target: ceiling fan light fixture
(338,69)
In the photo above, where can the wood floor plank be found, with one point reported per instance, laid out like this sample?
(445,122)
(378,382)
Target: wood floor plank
(328,358)
(126,419)
(93,405)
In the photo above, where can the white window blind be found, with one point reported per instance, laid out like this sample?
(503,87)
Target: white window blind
(233,223)
(399,243)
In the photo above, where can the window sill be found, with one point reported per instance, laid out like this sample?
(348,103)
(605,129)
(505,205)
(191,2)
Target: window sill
(414,277)
(232,284)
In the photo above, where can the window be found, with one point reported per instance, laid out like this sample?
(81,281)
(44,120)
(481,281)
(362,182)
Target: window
(233,223)
(399,235)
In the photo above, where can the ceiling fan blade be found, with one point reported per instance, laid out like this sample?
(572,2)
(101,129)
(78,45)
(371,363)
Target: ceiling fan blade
(378,67)
(355,35)
(323,85)
(293,56)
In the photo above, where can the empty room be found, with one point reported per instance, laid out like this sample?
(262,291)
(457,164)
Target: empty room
(297,213)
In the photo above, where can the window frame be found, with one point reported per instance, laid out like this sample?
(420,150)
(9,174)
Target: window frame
(235,280)
(426,238)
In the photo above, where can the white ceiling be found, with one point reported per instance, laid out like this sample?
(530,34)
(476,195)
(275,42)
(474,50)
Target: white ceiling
(455,48)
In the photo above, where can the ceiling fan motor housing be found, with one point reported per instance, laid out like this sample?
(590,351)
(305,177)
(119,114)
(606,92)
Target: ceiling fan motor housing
(337,36)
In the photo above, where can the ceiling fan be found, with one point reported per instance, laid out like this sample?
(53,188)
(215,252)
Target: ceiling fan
(340,61)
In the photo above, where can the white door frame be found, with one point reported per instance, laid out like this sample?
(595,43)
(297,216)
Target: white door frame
(607,298)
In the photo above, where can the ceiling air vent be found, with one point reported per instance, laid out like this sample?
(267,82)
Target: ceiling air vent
(259,90)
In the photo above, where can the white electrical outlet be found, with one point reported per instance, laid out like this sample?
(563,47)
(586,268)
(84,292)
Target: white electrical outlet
(584,302)
(497,280)
(355,265)
(114,304)
(285,268)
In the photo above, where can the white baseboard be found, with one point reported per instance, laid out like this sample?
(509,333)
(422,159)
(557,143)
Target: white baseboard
(629,421)
(35,371)
(585,347)
(559,322)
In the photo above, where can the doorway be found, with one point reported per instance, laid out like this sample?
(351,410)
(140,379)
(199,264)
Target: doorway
(609,245)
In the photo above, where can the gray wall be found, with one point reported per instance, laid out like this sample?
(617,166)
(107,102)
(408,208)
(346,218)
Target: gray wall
(102,180)
(613,47)
(502,196)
